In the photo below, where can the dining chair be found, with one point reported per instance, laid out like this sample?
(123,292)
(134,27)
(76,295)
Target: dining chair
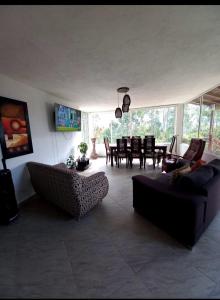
(128,139)
(170,151)
(107,149)
(146,136)
(135,151)
(136,137)
(121,151)
(149,149)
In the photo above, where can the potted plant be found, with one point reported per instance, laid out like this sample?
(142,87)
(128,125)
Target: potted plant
(83,147)
(70,162)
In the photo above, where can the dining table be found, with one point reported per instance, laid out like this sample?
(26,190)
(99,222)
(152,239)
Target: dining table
(161,147)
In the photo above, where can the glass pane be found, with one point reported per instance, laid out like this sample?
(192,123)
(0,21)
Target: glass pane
(100,126)
(205,121)
(120,127)
(216,133)
(190,121)
(159,121)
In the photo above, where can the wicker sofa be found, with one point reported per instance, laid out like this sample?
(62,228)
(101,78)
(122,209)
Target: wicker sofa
(71,191)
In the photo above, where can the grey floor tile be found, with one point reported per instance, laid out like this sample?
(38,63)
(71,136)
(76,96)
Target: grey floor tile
(174,278)
(61,288)
(113,252)
(8,291)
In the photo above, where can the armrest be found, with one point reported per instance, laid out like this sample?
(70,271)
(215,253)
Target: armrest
(60,165)
(93,179)
(93,176)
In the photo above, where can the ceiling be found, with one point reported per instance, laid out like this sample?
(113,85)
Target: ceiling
(165,54)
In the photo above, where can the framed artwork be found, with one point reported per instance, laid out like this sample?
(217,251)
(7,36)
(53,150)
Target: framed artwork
(15,134)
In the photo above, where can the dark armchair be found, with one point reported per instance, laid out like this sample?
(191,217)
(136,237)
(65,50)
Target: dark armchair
(192,154)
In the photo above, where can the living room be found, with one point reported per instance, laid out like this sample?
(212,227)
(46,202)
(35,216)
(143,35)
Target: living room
(79,56)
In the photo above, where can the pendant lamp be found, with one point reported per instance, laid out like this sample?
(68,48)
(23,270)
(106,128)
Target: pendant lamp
(125,108)
(118,112)
(126,102)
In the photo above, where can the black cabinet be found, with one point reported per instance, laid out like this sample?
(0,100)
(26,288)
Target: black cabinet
(8,203)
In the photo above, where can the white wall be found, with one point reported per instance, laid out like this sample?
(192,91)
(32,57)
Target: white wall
(49,146)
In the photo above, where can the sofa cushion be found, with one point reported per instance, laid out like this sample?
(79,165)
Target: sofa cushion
(165,178)
(179,172)
(197,179)
(215,163)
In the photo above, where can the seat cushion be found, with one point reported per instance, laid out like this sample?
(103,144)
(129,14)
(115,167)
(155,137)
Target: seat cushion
(180,172)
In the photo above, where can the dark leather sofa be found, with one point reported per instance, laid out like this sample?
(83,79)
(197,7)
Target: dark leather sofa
(183,208)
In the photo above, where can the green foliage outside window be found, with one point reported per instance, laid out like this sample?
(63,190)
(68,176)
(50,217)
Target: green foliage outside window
(160,121)
(202,120)
(190,122)
(142,121)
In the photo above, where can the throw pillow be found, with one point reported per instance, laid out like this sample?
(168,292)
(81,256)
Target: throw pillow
(198,164)
(179,172)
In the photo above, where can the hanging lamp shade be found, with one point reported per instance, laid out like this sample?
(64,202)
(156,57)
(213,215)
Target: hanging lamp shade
(125,108)
(126,100)
(118,112)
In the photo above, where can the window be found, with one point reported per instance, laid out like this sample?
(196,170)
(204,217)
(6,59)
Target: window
(215,136)
(202,120)
(159,121)
(191,121)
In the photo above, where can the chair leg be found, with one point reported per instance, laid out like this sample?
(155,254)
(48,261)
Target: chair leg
(144,162)
(158,160)
(141,162)
(154,162)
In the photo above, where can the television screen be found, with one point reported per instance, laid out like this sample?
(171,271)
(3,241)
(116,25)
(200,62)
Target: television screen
(67,118)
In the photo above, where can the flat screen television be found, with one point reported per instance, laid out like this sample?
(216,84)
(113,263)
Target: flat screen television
(67,118)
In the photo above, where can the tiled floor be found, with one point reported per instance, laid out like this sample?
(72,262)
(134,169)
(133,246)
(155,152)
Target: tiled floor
(111,253)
